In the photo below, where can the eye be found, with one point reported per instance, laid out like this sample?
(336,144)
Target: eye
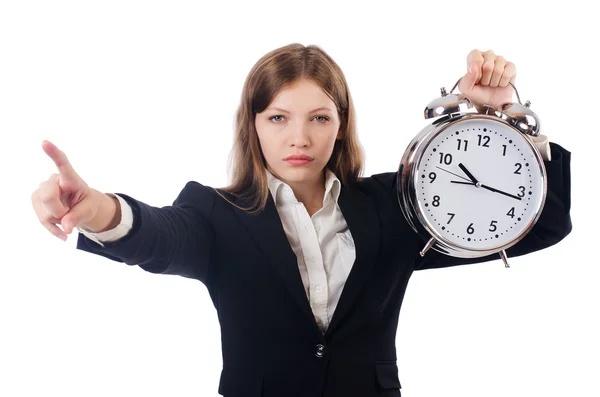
(272,117)
(324,118)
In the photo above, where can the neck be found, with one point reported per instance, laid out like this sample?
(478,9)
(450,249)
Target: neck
(311,192)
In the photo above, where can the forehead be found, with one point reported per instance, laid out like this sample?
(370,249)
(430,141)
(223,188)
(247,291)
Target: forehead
(303,95)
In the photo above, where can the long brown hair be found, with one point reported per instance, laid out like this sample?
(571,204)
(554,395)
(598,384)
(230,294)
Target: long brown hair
(277,70)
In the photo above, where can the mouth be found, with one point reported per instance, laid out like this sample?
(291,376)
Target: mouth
(298,159)
(302,157)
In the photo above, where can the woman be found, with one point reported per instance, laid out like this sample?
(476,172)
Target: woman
(305,261)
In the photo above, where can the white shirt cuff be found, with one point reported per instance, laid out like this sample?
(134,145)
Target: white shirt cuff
(542,144)
(116,233)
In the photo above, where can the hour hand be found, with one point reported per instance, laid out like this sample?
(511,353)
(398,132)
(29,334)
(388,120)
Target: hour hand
(466,171)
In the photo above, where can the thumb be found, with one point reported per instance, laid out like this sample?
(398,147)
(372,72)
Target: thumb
(78,214)
(468,81)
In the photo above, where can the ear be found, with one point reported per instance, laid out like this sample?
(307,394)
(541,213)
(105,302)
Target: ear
(340,134)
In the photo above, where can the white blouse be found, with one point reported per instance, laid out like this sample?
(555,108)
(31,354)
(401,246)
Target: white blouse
(322,242)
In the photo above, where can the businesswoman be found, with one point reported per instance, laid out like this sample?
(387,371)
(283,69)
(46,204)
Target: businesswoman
(306,261)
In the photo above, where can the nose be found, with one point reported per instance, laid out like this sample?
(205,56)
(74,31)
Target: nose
(299,134)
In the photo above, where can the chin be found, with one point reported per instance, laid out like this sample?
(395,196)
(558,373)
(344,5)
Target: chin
(300,173)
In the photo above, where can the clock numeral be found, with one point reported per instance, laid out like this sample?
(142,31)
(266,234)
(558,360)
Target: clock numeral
(518,170)
(504,150)
(459,144)
(432,176)
(470,229)
(436,201)
(493,225)
(511,213)
(445,159)
(522,193)
(451,217)
(486,138)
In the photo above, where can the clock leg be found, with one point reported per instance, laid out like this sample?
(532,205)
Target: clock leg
(503,256)
(427,246)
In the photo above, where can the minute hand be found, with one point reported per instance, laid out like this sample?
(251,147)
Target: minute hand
(500,191)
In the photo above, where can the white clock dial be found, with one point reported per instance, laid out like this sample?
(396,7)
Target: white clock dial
(507,199)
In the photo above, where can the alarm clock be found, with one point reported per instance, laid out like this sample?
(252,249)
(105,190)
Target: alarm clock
(472,183)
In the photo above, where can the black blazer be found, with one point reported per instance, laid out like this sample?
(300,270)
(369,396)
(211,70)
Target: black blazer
(271,344)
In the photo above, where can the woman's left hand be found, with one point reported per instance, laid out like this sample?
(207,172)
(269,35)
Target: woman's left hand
(486,80)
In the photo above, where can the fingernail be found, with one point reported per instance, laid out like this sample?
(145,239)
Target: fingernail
(63,237)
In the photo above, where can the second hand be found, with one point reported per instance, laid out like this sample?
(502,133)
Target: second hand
(450,172)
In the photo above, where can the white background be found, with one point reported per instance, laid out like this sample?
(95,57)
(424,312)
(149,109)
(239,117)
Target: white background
(141,97)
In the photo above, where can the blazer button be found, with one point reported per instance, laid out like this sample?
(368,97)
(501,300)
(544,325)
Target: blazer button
(320,351)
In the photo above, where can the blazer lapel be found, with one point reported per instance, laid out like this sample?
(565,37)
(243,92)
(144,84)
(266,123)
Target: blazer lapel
(267,231)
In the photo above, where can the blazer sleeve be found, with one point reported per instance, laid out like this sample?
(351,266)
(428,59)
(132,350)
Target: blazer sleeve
(552,226)
(175,239)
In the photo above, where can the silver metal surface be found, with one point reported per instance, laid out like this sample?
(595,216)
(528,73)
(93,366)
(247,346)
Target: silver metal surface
(448,104)
(503,256)
(520,117)
(427,246)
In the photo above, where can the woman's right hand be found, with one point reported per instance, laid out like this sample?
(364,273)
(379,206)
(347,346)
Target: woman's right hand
(64,198)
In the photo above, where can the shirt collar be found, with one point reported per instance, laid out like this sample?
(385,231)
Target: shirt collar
(282,192)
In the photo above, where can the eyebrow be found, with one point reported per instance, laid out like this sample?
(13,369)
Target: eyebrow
(283,110)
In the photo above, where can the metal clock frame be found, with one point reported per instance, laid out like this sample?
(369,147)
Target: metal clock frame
(407,181)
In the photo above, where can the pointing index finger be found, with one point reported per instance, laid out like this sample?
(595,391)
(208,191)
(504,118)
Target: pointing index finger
(60,159)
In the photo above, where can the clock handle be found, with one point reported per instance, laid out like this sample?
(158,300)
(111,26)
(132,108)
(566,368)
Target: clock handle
(503,256)
(513,86)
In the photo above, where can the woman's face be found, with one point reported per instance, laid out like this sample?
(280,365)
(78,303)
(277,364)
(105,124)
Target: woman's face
(301,119)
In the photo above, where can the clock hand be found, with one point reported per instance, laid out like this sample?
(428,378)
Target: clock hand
(489,188)
(466,171)
(460,176)
(464,183)
(500,191)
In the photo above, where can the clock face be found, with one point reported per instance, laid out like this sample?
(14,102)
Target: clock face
(510,188)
